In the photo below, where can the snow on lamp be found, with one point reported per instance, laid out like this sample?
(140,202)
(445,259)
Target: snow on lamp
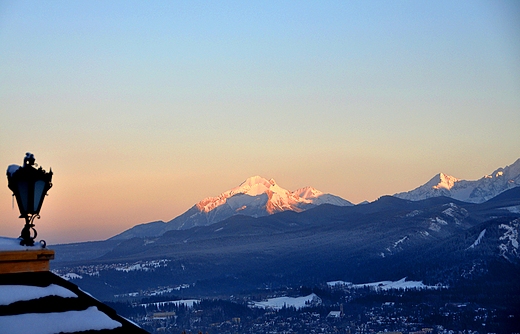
(29,185)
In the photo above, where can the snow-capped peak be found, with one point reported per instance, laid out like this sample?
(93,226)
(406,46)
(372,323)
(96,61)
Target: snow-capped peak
(254,186)
(276,198)
(445,181)
(308,193)
(477,191)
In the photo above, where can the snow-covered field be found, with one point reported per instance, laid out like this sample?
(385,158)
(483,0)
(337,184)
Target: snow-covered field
(509,246)
(281,302)
(479,239)
(93,270)
(385,285)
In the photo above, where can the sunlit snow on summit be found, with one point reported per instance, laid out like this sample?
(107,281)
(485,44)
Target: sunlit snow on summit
(278,198)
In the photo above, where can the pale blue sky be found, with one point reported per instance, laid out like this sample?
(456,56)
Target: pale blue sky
(143,108)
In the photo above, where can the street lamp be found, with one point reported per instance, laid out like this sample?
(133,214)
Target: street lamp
(29,185)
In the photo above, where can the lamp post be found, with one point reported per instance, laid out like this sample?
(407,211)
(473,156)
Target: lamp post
(29,185)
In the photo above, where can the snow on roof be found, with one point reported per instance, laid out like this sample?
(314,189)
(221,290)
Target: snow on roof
(334,314)
(66,322)
(11,169)
(14,293)
(12,244)
(43,303)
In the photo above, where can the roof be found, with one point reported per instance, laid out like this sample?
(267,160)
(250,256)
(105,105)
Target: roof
(44,303)
(334,314)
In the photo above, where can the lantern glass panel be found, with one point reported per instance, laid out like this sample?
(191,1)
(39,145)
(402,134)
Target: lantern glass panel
(39,187)
(23,189)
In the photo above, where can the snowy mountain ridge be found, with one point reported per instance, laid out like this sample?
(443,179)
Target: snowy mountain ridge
(477,191)
(278,198)
(258,197)
(255,197)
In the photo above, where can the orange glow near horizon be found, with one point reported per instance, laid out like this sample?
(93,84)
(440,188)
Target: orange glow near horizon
(78,209)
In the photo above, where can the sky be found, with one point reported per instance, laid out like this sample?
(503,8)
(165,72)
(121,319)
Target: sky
(143,108)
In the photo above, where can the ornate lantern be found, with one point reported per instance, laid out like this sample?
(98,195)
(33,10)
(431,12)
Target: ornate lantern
(29,185)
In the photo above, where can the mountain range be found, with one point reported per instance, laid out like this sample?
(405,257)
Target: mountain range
(289,239)
(258,197)
(438,240)
(476,191)
(255,197)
